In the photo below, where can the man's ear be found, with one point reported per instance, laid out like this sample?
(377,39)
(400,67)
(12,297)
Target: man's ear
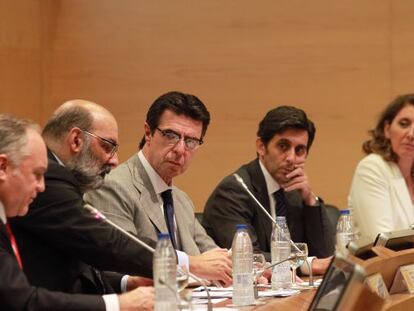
(260,147)
(76,140)
(4,164)
(147,133)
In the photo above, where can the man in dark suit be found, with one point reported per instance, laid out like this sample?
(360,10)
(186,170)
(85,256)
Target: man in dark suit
(61,244)
(23,162)
(285,136)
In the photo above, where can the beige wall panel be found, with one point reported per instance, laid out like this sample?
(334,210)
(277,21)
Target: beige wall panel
(20,58)
(241,59)
(403,44)
(340,61)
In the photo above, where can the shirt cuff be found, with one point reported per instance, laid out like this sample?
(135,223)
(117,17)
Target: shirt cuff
(124,283)
(304,268)
(183,260)
(111,302)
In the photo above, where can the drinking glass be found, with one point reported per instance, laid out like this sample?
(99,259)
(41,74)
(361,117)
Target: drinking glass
(259,263)
(300,253)
(184,296)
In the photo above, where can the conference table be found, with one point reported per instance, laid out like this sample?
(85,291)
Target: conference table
(298,302)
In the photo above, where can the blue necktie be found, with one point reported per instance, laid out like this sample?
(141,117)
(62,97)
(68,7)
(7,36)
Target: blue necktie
(169,214)
(281,204)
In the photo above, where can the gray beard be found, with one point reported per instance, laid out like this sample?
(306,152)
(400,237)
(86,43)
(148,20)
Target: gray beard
(87,170)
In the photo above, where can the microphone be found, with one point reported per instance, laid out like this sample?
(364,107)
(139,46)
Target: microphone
(244,186)
(99,216)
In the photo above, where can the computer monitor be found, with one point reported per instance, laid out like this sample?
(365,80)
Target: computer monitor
(339,284)
(362,248)
(396,240)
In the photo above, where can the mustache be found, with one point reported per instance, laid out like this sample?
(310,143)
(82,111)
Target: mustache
(106,169)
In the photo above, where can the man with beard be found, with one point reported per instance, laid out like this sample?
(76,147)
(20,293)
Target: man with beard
(23,162)
(278,176)
(59,240)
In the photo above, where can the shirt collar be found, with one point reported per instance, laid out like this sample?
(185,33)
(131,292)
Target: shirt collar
(271,184)
(57,159)
(157,182)
(2,213)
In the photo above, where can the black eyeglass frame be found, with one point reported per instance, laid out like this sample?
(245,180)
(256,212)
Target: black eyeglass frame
(175,137)
(114,145)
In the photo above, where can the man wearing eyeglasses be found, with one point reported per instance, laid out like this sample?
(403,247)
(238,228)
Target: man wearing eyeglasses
(61,244)
(139,195)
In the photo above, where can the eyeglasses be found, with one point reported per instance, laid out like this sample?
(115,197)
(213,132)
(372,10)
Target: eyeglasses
(173,138)
(108,145)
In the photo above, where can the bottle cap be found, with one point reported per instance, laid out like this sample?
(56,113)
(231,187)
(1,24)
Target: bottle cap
(162,235)
(344,211)
(241,226)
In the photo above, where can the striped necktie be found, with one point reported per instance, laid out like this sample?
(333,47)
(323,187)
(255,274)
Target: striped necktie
(281,204)
(169,214)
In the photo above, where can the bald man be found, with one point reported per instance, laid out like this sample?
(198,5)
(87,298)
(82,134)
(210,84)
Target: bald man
(23,162)
(62,246)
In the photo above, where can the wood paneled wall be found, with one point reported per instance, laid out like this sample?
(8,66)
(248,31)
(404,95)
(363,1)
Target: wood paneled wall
(341,61)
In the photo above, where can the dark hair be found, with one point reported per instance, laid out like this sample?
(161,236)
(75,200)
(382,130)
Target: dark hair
(66,119)
(181,104)
(379,144)
(282,118)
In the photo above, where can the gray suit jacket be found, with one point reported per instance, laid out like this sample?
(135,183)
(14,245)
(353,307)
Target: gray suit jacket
(129,199)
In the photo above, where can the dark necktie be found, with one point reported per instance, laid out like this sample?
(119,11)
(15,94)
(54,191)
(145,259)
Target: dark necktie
(281,204)
(169,214)
(14,245)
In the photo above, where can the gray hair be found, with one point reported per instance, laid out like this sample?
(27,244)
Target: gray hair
(13,136)
(66,119)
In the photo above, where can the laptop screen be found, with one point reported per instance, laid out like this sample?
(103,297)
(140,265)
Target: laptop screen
(333,286)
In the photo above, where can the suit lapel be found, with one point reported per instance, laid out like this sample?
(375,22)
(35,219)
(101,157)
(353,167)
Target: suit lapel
(148,199)
(400,188)
(5,239)
(260,192)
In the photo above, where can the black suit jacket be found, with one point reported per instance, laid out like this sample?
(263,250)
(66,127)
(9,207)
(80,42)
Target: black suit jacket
(17,294)
(59,240)
(230,204)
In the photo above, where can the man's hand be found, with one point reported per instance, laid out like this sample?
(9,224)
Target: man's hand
(298,180)
(320,265)
(141,299)
(137,281)
(214,265)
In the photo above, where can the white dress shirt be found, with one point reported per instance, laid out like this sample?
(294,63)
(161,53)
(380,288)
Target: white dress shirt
(160,186)
(272,187)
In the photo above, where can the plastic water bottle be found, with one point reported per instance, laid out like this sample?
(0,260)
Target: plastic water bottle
(242,257)
(280,248)
(345,232)
(165,271)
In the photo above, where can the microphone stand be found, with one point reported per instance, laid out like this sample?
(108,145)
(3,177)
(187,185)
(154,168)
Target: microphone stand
(243,184)
(99,216)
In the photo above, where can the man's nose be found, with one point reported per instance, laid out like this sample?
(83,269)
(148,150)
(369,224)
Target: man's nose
(291,155)
(41,185)
(179,147)
(113,160)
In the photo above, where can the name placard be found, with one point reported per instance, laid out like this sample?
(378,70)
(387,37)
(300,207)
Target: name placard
(377,285)
(403,280)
